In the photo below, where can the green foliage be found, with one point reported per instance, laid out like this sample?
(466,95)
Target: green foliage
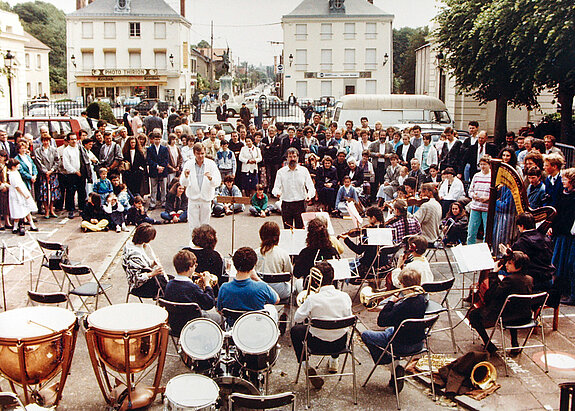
(405,42)
(203,44)
(106,112)
(5,6)
(47,23)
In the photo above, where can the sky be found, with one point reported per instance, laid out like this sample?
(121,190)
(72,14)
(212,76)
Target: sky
(247,27)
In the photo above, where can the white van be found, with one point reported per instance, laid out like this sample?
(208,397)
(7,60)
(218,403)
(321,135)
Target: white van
(399,110)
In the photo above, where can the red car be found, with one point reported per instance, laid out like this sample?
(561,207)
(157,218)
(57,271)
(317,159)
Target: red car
(58,126)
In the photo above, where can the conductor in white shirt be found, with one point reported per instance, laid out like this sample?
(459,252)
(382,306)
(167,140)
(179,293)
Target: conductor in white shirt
(294,187)
(200,176)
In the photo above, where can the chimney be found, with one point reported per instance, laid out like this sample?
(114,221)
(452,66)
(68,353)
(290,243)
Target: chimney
(370,1)
(80,4)
(183,8)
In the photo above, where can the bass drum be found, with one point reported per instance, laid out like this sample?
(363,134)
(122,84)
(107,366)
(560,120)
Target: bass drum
(256,336)
(229,385)
(188,392)
(201,342)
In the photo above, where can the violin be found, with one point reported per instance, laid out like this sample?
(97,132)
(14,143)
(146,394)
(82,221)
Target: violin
(355,232)
(415,201)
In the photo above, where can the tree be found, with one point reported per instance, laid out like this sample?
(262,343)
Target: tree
(48,24)
(476,37)
(203,44)
(5,6)
(405,42)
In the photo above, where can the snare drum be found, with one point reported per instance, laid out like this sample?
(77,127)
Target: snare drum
(42,340)
(128,338)
(256,335)
(201,342)
(191,392)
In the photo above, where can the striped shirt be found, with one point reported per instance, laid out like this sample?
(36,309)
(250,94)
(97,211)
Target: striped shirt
(480,185)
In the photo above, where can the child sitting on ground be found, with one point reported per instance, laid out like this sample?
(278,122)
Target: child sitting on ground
(137,215)
(259,203)
(176,205)
(124,196)
(115,213)
(103,186)
(227,189)
(93,216)
(346,193)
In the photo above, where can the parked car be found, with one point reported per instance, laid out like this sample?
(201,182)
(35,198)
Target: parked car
(58,126)
(42,109)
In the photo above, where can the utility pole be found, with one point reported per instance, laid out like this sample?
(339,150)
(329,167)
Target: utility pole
(212,53)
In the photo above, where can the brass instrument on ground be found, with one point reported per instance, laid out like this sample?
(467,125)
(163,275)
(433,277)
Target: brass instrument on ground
(371,298)
(212,278)
(313,286)
(484,375)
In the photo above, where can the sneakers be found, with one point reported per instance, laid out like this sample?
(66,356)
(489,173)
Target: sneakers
(317,382)
(333,365)
(124,228)
(118,228)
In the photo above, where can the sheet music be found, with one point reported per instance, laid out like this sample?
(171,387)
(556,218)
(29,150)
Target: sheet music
(354,213)
(292,241)
(379,236)
(307,217)
(475,257)
(341,268)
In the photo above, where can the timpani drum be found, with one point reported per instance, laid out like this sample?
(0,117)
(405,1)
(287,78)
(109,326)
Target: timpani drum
(201,342)
(255,335)
(127,339)
(191,392)
(37,344)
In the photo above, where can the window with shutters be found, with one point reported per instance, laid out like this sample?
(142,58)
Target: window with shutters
(371,59)
(301,89)
(370,31)
(160,30)
(325,31)
(349,31)
(135,59)
(110,59)
(160,60)
(349,59)
(87,60)
(326,59)
(109,30)
(301,59)
(87,30)
(301,31)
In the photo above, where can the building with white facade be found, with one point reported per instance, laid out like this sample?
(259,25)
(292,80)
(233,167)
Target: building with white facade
(337,47)
(29,67)
(122,48)
(434,81)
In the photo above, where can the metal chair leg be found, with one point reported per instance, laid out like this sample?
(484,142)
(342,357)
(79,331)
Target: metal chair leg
(451,327)
(544,346)
(430,372)
(354,376)
(504,348)
(395,379)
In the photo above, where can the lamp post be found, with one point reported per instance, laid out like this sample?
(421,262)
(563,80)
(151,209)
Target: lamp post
(385,58)
(290,58)
(439,56)
(171,59)
(73,58)
(8,58)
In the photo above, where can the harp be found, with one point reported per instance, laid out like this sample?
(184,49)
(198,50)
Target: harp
(507,199)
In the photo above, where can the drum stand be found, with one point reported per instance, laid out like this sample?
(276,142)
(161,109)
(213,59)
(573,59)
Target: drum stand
(3,263)
(233,201)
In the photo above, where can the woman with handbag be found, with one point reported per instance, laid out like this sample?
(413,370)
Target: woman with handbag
(133,166)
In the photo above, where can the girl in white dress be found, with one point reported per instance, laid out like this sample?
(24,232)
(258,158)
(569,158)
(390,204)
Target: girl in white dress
(21,202)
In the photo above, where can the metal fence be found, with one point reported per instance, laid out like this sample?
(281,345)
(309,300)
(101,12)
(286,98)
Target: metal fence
(48,108)
(569,154)
(283,112)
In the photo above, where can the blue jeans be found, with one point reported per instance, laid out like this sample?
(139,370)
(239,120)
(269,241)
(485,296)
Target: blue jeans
(166,216)
(376,341)
(475,219)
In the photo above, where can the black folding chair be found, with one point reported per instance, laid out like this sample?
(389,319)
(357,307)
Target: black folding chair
(537,302)
(276,278)
(434,307)
(10,401)
(48,298)
(340,324)
(567,400)
(261,402)
(179,314)
(84,290)
(409,327)
(53,253)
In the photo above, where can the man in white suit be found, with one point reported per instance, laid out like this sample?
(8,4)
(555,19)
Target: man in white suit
(200,176)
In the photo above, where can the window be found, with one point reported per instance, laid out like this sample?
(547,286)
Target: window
(301,59)
(349,59)
(160,59)
(38,61)
(349,31)
(109,30)
(110,59)
(326,88)
(87,30)
(40,89)
(370,59)
(325,33)
(301,31)
(159,30)
(326,60)
(135,30)
(370,30)
(135,59)
(370,86)
(301,89)
(29,90)
(87,60)
(27,60)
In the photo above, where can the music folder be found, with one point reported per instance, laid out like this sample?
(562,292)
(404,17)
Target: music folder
(474,257)
(380,236)
(341,270)
(293,241)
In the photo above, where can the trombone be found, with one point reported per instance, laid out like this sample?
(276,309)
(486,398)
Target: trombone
(313,286)
(370,298)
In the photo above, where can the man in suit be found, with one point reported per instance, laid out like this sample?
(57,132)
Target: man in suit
(222,111)
(552,165)
(158,158)
(152,122)
(110,153)
(7,145)
(291,141)
(476,151)
(272,154)
(126,120)
(451,151)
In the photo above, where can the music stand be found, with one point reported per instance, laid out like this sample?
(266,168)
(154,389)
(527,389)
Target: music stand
(16,260)
(233,200)
(471,259)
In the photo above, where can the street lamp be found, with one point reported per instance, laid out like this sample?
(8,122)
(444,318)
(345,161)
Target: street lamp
(290,58)
(385,58)
(439,56)
(8,58)
(171,59)
(73,58)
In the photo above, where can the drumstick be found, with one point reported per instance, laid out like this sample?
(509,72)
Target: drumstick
(157,261)
(41,325)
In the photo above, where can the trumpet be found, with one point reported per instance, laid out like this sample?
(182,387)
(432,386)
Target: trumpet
(212,279)
(313,286)
(371,298)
